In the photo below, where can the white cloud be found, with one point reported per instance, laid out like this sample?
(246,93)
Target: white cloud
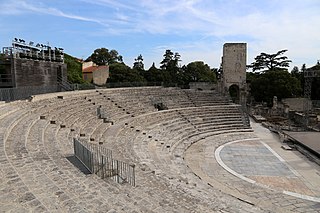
(265,25)
(19,7)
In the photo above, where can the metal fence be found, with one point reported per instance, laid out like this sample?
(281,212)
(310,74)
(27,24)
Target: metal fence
(12,94)
(98,160)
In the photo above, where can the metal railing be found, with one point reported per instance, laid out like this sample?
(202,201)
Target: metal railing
(65,84)
(98,160)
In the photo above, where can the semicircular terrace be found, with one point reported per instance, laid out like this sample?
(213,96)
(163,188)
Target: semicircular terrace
(172,150)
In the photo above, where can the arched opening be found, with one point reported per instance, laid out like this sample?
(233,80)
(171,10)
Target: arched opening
(234,93)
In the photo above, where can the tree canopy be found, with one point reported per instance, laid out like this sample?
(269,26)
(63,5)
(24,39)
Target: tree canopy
(280,83)
(74,69)
(170,66)
(138,64)
(103,56)
(170,60)
(270,62)
(199,71)
(170,72)
(119,72)
(153,74)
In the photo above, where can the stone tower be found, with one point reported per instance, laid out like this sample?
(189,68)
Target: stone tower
(233,79)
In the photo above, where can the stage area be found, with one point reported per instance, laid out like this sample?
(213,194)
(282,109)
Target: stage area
(309,140)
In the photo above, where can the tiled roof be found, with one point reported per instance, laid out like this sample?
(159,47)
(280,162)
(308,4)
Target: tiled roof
(93,68)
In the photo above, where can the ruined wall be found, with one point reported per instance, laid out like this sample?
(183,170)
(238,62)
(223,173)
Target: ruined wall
(234,63)
(101,75)
(296,104)
(203,85)
(37,73)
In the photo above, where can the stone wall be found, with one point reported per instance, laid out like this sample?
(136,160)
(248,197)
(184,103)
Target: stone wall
(234,63)
(37,73)
(233,80)
(5,74)
(101,75)
(295,104)
(203,85)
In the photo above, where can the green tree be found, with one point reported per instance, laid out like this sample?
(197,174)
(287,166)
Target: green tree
(303,67)
(216,72)
(270,62)
(103,56)
(199,71)
(168,57)
(119,72)
(154,74)
(138,63)
(295,72)
(170,67)
(278,83)
(74,69)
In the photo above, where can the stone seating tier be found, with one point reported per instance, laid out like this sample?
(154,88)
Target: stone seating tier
(35,154)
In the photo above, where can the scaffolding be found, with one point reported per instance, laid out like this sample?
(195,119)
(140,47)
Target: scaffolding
(308,76)
(21,49)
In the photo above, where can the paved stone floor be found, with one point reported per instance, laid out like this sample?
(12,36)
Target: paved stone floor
(254,168)
(255,160)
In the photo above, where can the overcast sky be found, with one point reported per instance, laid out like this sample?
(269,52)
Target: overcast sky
(197,29)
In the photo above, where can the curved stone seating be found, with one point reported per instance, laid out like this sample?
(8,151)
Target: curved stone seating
(144,149)
(38,176)
(14,191)
(54,184)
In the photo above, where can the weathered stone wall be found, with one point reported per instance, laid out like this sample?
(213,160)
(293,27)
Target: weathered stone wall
(88,64)
(101,75)
(234,63)
(203,85)
(296,104)
(5,74)
(37,73)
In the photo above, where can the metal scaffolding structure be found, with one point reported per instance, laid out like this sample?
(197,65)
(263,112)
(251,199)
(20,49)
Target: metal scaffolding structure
(308,76)
(22,49)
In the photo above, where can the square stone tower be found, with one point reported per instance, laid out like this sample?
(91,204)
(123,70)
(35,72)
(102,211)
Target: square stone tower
(234,62)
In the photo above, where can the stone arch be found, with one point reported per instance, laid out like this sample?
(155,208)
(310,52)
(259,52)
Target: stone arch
(234,92)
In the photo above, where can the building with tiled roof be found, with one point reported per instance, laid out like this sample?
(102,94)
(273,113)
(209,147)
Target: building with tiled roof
(94,73)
